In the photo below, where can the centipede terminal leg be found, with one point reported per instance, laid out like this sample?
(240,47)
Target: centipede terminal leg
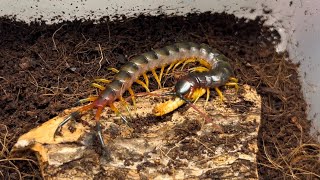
(99,132)
(72,116)
(105,150)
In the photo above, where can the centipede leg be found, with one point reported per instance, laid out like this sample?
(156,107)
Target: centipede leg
(219,93)
(197,96)
(97,86)
(102,80)
(169,68)
(105,149)
(124,102)
(192,60)
(177,64)
(157,78)
(205,63)
(233,79)
(199,69)
(72,116)
(99,132)
(88,99)
(67,119)
(113,70)
(233,84)
(115,109)
(208,96)
(132,97)
(143,85)
(146,79)
(161,73)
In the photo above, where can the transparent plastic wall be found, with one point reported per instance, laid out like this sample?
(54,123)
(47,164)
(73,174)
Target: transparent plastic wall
(297,22)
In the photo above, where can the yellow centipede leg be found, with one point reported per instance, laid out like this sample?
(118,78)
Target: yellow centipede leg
(188,61)
(177,64)
(208,96)
(102,80)
(199,69)
(132,97)
(146,79)
(157,78)
(113,70)
(169,68)
(124,102)
(233,79)
(205,63)
(197,98)
(143,85)
(197,94)
(161,73)
(125,105)
(219,93)
(233,84)
(115,109)
(97,86)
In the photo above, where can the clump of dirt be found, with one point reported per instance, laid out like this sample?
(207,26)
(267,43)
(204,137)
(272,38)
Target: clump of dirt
(44,69)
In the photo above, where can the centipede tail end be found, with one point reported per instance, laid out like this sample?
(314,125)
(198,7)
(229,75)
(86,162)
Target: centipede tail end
(99,132)
(72,116)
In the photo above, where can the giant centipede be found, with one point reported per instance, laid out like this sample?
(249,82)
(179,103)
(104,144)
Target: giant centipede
(214,72)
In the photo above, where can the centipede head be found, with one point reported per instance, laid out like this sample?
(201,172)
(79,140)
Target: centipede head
(175,94)
(184,89)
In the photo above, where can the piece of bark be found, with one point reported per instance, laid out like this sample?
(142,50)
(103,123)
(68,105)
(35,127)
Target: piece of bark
(176,146)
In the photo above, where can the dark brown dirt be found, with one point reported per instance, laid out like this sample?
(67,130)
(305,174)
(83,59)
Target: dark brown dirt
(44,69)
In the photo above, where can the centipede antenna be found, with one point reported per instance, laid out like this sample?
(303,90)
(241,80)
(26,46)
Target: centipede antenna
(99,132)
(67,119)
(168,94)
(206,117)
(194,107)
